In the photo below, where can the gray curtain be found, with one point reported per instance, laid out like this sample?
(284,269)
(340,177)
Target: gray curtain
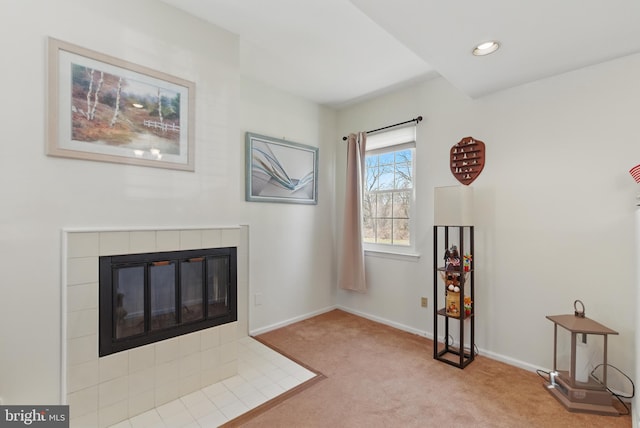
(352,275)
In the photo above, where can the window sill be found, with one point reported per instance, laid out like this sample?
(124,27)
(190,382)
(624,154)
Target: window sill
(394,255)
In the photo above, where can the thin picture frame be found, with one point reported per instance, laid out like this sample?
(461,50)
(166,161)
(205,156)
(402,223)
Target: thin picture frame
(278,170)
(102,108)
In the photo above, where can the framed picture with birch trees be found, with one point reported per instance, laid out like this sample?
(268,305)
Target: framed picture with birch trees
(105,109)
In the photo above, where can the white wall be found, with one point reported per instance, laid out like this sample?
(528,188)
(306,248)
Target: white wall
(41,195)
(553,207)
(292,265)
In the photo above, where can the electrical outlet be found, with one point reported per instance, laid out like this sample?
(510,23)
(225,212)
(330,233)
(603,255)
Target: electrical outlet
(258,299)
(423,302)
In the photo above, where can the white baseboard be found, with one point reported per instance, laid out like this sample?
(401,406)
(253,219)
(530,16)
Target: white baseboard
(387,322)
(285,323)
(511,361)
(494,356)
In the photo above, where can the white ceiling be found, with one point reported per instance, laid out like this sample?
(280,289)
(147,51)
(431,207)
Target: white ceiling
(335,52)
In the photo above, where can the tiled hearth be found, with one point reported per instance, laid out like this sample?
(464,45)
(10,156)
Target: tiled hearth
(263,374)
(104,391)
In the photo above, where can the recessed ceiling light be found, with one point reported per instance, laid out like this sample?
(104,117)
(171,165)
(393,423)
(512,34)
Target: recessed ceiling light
(486,48)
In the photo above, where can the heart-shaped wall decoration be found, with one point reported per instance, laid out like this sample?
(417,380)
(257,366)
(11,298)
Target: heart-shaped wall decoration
(466,160)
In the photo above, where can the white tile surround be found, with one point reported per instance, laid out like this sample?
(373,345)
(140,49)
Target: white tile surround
(104,391)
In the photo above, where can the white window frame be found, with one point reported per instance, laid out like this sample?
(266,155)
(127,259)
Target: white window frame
(385,142)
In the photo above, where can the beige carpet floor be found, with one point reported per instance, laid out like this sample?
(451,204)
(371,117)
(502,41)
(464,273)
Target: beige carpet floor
(373,375)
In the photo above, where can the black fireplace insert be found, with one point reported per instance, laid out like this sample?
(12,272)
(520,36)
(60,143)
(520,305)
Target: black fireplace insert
(146,298)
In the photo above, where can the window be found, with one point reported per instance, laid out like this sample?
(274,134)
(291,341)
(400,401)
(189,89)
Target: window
(389,190)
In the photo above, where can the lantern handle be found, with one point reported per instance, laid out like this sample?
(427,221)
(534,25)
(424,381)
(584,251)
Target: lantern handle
(578,313)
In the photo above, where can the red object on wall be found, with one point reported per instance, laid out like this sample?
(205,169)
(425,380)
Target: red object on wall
(466,160)
(635,173)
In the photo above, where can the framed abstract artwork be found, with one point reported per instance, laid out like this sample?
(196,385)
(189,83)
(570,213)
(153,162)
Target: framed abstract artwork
(280,171)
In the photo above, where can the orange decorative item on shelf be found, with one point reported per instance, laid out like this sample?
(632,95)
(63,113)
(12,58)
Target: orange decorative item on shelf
(467,306)
(466,159)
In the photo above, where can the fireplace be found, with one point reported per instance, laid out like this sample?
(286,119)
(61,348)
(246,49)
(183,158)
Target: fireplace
(104,390)
(149,297)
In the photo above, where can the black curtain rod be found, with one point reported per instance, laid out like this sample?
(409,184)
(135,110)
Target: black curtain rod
(416,120)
